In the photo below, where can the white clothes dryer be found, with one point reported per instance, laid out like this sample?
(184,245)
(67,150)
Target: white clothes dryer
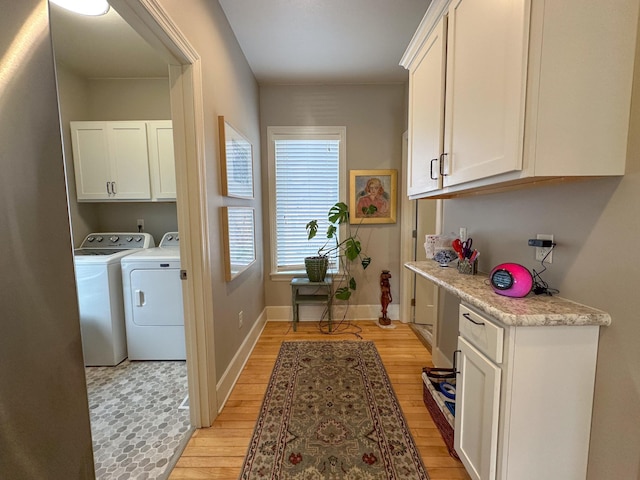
(153,305)
(99,287)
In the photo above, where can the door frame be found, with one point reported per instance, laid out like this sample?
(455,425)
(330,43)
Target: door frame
(409,243)
(149,19)
(407,240)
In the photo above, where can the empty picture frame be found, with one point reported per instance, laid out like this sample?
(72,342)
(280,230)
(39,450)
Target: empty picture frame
(238,227)
(373,187)
(236,161)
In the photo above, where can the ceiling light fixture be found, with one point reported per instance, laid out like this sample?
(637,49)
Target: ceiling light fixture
(84,7)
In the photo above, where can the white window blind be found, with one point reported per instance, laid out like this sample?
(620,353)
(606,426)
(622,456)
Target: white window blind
(307,184)
(241,237)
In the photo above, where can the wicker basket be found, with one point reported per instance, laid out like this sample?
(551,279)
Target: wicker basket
(316,268)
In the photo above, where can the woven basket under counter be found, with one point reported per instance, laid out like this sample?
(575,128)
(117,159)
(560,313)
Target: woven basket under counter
(440,414)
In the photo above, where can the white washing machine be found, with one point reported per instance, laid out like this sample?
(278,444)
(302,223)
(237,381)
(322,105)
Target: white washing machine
(153,302)
(99,286)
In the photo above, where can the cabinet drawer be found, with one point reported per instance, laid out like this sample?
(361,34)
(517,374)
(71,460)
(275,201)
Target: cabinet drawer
(480,332)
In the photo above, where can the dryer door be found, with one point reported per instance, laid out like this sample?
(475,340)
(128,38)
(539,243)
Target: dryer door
(157,297)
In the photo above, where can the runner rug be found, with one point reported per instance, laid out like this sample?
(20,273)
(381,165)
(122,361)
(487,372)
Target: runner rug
(330,412)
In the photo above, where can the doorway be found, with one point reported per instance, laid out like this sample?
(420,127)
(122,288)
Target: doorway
(202,404)
(425,293)
(419,297)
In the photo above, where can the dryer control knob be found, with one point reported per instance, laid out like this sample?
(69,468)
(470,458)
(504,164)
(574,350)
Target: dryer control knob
(114,238)
(99,239)
(129,239)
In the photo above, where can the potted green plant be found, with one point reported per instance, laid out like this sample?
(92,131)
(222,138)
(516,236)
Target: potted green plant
(347,250)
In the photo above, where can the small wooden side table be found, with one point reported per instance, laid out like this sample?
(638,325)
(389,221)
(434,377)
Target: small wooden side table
(313,293)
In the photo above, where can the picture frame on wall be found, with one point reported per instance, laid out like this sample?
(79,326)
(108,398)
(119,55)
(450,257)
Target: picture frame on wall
(373,187)
(239,233)
(236,161)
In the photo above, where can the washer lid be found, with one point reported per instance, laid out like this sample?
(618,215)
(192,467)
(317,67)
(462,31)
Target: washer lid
(154,254)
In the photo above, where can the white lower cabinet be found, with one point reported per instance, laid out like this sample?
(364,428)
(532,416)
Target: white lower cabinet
(476,426)
(524,399)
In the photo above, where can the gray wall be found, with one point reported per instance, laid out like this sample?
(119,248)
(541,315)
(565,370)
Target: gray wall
(375,118)
(596,225)
(108,100)
(43,400)
(229,89)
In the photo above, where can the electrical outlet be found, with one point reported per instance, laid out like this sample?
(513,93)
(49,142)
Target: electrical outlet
(463,234)
(541,252)
(140,225)
(240,319)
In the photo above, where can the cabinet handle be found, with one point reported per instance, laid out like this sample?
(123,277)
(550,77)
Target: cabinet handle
(431,168)
(468,317)
(108,188)
(455,361)
(113,188)
(441,163)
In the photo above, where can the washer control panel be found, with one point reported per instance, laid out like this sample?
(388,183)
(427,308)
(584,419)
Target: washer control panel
(124,241)
(170,239)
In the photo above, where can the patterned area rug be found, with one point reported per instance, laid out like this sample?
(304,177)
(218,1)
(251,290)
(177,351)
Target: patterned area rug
(330,412)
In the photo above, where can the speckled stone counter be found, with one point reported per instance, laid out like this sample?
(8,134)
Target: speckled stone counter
(531,311)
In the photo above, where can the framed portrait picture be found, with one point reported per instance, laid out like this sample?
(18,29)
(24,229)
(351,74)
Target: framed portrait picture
(373,196)
(236,161)
(238,227)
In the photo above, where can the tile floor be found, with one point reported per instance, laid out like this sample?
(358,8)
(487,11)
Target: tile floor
(136,420)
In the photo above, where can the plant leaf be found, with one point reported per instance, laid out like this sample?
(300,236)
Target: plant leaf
(339,213)
(352,283)
(365,262)
(352,248)
(312,229)
(343,293)
(331,231)
(370,210)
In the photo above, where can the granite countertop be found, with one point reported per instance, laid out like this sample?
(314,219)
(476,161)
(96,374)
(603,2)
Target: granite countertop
(532,310)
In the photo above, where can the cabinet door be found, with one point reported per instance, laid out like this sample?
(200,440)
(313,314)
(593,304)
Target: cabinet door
(485,91)
(129,160)
(426,113)
(90,160)
(477,410)
(161,160)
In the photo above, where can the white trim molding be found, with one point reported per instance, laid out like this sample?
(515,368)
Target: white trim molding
(230,377)
(314,313)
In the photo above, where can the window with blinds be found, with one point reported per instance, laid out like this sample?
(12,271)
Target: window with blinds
(306,170)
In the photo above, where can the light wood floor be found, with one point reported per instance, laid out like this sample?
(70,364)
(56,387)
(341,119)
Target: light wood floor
(218,452)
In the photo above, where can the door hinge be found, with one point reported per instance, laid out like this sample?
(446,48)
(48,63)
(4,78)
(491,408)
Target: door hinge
(183,274)
(413,302)
(414,233)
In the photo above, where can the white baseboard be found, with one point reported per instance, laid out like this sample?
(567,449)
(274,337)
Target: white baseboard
(230,376)
(313,312)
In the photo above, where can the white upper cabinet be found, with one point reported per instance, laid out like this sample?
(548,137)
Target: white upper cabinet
(518,109)
(486,69)
(426,110)
(161,159)
(120,160)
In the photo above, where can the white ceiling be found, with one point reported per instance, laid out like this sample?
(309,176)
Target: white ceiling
(285,41)
(102,47)
(325,41)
